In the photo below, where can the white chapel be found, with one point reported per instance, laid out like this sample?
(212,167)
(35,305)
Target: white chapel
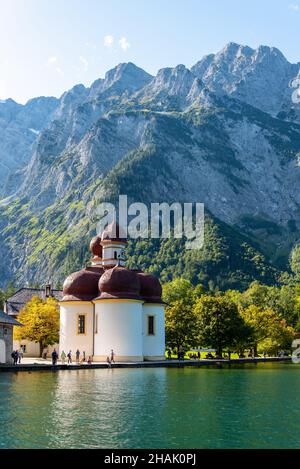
(109,307)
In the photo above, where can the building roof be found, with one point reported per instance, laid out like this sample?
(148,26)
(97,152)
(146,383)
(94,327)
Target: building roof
(18,300)
(101,282)
(82,285)
(6,319)
(119,283)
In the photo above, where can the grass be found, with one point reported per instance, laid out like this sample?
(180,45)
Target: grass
(203,355)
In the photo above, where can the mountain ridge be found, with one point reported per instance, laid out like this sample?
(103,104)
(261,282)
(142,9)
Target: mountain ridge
(214,133)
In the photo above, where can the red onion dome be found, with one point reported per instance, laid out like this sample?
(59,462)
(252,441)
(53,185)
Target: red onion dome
(151,290)
(114,232)
(82,285)
(119,283)
(95,246)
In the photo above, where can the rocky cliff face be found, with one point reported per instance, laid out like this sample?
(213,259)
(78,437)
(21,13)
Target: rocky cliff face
(260,77)
(225,133)
(20,127)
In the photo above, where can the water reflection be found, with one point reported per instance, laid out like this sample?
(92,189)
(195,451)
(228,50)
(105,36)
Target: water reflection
(106,408)
(258,407)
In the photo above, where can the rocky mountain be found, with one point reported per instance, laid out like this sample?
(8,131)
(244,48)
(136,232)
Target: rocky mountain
(261,77)
(225,133)
(20,127)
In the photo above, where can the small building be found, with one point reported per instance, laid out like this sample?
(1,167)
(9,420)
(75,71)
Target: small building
(16,302)
(7,324)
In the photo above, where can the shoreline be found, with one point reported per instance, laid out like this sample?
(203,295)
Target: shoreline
(161,364)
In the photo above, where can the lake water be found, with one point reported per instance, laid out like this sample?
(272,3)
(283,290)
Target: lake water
(248,407)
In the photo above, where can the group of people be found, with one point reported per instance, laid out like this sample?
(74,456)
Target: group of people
(17,356)
(181,354)
(209,355)
(110,358)
(68,357)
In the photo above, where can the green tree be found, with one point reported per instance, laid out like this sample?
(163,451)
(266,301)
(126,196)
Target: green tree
(295,261)
(256,294)
(233,295)
(283,300)
(40,320)
(219,323)
(270,331)
(178,290)
(2,296)
(199,290)
(5,294)
(181,330)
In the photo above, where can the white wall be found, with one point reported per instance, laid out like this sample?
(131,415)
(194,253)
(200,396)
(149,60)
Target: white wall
(32,348)
(109,253)
(154,345)
(120,329)
(2,351)
(69,338)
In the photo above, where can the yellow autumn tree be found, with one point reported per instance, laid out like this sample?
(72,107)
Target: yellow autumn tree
(40,319)
(271,333)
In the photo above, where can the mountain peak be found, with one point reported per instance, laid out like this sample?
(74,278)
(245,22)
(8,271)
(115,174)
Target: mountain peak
(268,52)
(233,48)
(124,77)
(126,70)
(260,77)
(9,101)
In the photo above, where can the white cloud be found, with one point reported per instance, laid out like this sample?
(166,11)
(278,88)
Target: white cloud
(294,7)
(108,41)
(52,60)
(124,44)
(84,63)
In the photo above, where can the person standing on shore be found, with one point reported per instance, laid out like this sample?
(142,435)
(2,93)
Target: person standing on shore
(54,357)
(14,356)
(112,356)
(69,358)
(108,361)
(77,356)
(63,357)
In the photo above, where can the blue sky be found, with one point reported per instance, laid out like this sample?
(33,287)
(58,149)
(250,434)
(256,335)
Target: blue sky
(47,46)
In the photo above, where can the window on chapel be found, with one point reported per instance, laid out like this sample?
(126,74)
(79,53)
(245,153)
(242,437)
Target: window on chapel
(150,325)
(81,324)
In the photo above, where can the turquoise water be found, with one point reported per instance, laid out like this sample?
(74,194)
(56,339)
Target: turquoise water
(249,407)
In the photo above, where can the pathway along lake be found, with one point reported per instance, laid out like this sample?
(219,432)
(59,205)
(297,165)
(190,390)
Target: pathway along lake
(252,406)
